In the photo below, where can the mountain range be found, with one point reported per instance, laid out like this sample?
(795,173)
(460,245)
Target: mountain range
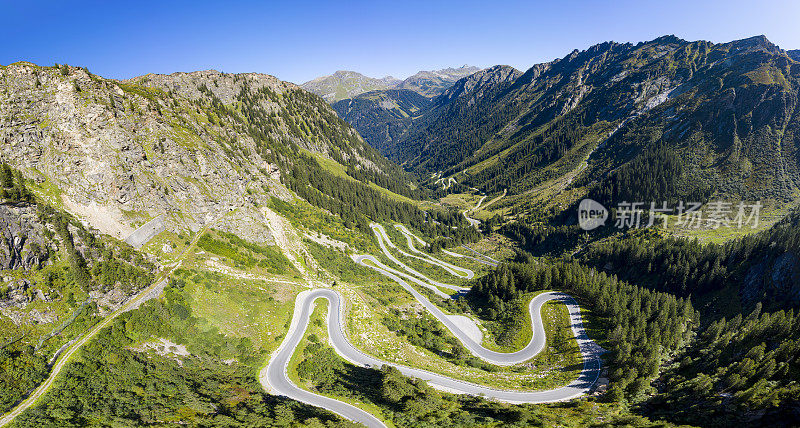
(165,238)
(121,152)
(725,111)
(348,84)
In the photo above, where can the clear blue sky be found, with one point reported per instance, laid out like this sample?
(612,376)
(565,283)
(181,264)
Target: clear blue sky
(299,40)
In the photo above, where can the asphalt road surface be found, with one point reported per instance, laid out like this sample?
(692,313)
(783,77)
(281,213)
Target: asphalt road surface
(275,379)
(451,269)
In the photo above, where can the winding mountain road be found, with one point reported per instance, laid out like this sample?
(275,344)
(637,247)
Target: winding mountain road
(472,221)
(275,379)
(383,241)
(274,376)
(450,268)
(482,256)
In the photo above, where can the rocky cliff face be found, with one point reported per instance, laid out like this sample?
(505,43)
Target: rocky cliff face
(187,145)
(773,278)
(24,245)
(55,268)
(28,245)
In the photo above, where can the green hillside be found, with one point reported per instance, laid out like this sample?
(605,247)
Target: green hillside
(382,117)
(726,110)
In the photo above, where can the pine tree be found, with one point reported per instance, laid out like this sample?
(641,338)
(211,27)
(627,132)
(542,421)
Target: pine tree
(6,176)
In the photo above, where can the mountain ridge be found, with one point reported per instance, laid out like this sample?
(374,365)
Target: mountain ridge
(348,84)
(118,153)
(382,116)
(433,83)
(555,115)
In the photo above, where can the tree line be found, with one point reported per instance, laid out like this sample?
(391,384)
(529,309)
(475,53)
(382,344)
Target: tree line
(358,204)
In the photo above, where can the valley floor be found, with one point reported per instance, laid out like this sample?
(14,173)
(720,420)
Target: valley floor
(274,323)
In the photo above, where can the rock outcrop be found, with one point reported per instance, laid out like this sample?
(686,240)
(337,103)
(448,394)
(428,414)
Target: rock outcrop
(185,145)
(22,241)
(773,278)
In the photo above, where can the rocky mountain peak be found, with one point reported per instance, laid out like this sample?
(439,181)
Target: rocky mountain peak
(347,74)
(118,153)
(435,82)
(759,42)
(667,39)
(344,84)
(225,86)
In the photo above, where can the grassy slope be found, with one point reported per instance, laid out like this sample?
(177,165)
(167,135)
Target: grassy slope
(369,304)
(318,327)
(337,169)
(260,310)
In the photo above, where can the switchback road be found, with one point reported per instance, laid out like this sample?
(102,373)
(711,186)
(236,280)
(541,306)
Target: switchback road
(275,379)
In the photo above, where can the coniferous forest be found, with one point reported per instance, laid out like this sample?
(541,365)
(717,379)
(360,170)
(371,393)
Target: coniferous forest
(707,336)
(216,249)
